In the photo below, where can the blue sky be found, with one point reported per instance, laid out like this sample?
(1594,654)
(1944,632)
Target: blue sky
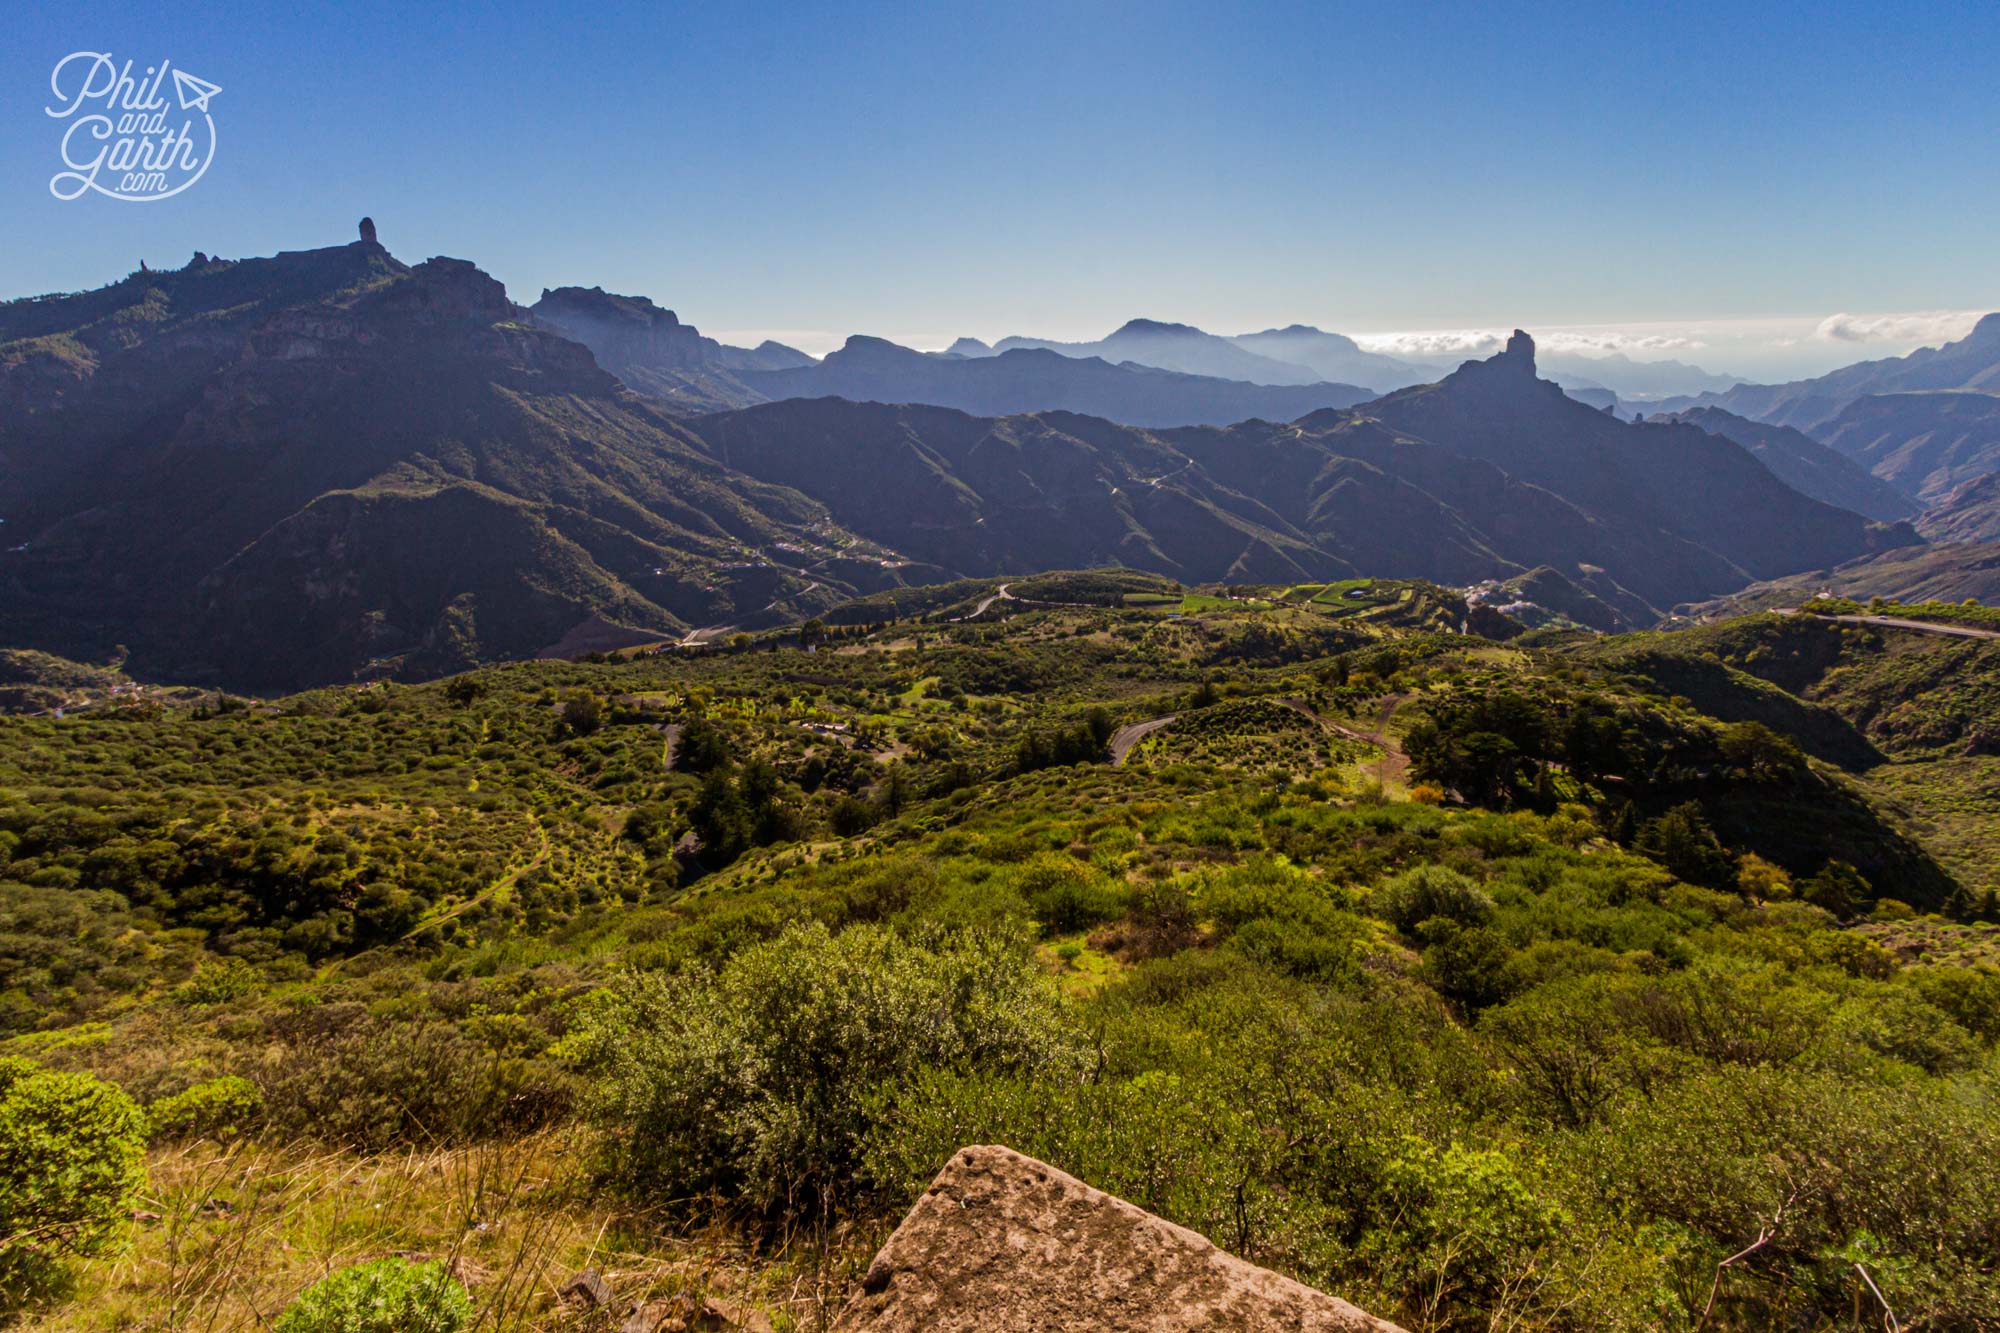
(1727,175)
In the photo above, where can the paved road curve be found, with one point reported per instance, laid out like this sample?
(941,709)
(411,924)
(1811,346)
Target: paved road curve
(1897,622)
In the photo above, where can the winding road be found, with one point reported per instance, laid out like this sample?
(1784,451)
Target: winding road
(1123,739)
(1897,622)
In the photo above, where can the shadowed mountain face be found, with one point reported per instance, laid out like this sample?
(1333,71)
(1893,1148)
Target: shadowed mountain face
(1969,514)
(1806,465)
(1031,380)
(1712,513)
(652,351)
(390,473)
(1489,474)
(1927,443)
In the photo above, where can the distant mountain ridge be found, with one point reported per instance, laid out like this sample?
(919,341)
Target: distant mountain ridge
(1973,362)
(1036,380)
(1676,479)
(1298,354)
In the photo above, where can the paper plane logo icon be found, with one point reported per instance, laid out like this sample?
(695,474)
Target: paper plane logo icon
(194,93)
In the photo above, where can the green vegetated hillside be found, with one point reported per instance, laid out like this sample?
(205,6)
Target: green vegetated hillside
(1488,979)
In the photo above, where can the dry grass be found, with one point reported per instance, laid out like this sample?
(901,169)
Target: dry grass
(226,1237)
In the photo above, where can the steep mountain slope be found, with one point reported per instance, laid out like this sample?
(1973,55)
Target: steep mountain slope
(1927,443)
(1969,514)
(1947,572)
(1026,380)
(400,476)
(1712,512)
(81,374)
(1805,464)
(652,351)
(1488,475)
(1973,362)
(984,496)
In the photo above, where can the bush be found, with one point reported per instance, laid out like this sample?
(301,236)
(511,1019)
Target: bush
(220,1108)
(338,1073)
(1429,892)
(1911,1178)
(71,1158)
(759,1082)
(386,1296)
(1066,895)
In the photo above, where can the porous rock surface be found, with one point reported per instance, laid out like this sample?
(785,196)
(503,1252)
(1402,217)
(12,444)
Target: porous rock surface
(1002,1243)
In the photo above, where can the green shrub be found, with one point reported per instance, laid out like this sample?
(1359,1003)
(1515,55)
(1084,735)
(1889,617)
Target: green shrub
(72,1153)
(385,1296)
(758,1080)
(1429,892)
(1910,1176)
(218,982)
(220,1108)
(339,1073)
(1066,895)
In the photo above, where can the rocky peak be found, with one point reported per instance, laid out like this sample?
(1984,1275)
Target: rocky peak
(1519,354)
(368,232)
(1987,331)
(628,334)
(1153,327)
(445,290)
(598,303)
(863,348)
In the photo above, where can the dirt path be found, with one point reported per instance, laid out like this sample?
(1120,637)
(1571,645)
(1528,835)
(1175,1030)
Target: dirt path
(1394,766)
(1125,738)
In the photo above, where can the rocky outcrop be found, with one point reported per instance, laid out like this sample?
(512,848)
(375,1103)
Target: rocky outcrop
(1002,1243)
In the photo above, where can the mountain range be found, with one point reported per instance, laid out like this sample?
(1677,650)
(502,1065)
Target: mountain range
(1037,380)
(1973,362)
(1925,423)
(330,465)
(1295,355)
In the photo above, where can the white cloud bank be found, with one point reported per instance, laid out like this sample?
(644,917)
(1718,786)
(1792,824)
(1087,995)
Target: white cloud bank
(1441,343)
(1926,327)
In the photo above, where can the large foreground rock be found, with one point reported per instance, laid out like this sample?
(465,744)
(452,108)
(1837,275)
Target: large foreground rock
(1002,1243)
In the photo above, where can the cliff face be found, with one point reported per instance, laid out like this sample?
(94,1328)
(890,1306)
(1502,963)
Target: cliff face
(1002,1243)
